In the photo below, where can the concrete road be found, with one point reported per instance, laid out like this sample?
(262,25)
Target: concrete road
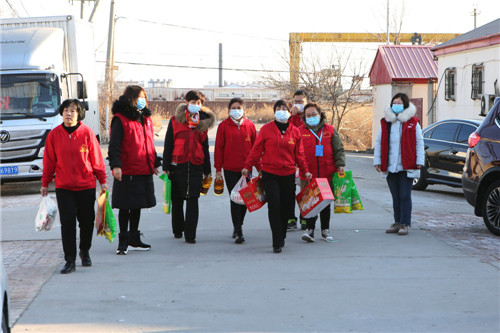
(364,281)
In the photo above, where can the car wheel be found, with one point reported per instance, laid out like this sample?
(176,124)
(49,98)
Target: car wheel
(491,208)
(420,183)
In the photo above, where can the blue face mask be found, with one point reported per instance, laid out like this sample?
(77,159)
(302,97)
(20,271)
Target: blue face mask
(141,103)
(282,115)
(236,113)
(192,108)
(398,108)
(312,121)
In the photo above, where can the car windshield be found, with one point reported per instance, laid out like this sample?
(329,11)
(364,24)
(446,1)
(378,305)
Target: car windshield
(28,95)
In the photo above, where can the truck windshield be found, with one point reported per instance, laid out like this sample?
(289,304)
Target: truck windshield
(28,95)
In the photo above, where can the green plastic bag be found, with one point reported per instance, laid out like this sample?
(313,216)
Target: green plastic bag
(355,199)
(105,220)
(341,192)
(167,193)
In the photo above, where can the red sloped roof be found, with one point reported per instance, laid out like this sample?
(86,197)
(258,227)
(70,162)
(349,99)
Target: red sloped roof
(408,63)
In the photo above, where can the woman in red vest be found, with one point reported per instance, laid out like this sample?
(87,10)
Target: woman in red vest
(133,159)
(399,154)
(186,160)
(234,140)
(325,155)
(279,149)
(73,154)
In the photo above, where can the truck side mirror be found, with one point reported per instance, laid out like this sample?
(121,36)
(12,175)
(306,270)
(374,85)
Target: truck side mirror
(81,89)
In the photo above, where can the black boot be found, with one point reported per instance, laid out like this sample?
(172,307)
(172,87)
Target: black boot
(69,267)
(85,256)
(239,236)
(122,243)
(134,241)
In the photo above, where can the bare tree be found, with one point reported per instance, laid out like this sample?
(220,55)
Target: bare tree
(331,81)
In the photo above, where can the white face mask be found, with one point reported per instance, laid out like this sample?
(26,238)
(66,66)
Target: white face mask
(282,115)
(300,107)
(236,113)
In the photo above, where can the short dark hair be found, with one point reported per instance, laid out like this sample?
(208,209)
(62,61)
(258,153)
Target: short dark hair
(404,98)
(234,100)
(300,92)
(279,103)
(322,115)
(79,108)
(132,93)
(195,95)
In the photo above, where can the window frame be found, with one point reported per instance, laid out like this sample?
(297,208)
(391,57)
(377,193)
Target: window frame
(450,88)
(477,81)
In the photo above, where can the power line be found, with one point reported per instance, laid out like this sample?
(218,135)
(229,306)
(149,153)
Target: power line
(200,29)
(14,11)
(207,67)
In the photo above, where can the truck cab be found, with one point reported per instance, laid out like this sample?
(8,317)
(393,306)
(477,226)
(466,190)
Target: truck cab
(39,69)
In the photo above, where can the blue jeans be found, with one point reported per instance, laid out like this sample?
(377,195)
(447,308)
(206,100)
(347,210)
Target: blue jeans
(400,186)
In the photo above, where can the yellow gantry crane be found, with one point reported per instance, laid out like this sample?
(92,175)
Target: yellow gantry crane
(297,38)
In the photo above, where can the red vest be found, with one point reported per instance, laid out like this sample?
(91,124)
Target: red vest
(187,144)
(319,166)
(137,149)
(408,144)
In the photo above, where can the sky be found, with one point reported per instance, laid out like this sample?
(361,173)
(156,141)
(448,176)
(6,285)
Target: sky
(178,35)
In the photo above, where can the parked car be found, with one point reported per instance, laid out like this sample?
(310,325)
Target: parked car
(5,302)
(481,176)
(446,146)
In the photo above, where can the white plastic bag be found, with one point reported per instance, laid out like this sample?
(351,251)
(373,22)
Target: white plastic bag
(46,215)
(235,196)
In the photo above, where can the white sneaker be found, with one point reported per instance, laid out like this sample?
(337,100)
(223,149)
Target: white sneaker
(325,235)
(308,236)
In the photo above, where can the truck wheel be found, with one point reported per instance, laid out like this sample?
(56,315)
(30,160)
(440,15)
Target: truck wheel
(491,208)
(420,183)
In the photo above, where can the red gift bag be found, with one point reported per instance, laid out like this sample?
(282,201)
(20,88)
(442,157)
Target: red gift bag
(314,197)
(253,194)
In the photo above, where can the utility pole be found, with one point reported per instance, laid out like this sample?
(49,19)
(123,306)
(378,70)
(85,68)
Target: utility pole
(220,65)
(110,63)
(475,13)
(93,10)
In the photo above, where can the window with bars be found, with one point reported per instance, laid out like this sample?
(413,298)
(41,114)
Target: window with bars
(477,81)
(450,83)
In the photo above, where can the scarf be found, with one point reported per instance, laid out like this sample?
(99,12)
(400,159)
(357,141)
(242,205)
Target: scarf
(193,119)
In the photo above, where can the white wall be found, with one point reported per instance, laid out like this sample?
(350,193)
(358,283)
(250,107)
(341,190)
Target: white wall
(382,95)
(464,106)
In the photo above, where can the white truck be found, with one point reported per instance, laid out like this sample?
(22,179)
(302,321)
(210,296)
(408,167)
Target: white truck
(43,61)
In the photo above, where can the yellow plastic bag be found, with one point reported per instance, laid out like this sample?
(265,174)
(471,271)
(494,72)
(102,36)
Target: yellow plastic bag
(341,192)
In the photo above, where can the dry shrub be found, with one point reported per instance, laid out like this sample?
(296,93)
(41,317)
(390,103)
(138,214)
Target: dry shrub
(157,121)
(258,113)
(356,128)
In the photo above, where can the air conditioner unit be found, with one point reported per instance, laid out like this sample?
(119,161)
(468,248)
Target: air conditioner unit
(487,102)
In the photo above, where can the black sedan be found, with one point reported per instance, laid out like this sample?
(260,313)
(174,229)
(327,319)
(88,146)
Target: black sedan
(446,144)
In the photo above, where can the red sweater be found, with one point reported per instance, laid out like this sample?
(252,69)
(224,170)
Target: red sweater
(233,144)
(75,158)
(280,153)
(296,120)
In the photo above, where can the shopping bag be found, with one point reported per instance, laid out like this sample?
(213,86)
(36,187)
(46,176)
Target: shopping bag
(167,193)
(46,215)
(355,199)
(235,195)
(314,197)
(105,220)
(253,194)
(342,192)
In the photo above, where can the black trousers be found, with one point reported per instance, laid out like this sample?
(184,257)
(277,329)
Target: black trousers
(188,224)
(280,195)
(324,217)
(73,206)
(238,212)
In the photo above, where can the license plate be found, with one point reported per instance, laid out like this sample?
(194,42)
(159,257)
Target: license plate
(10,170)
